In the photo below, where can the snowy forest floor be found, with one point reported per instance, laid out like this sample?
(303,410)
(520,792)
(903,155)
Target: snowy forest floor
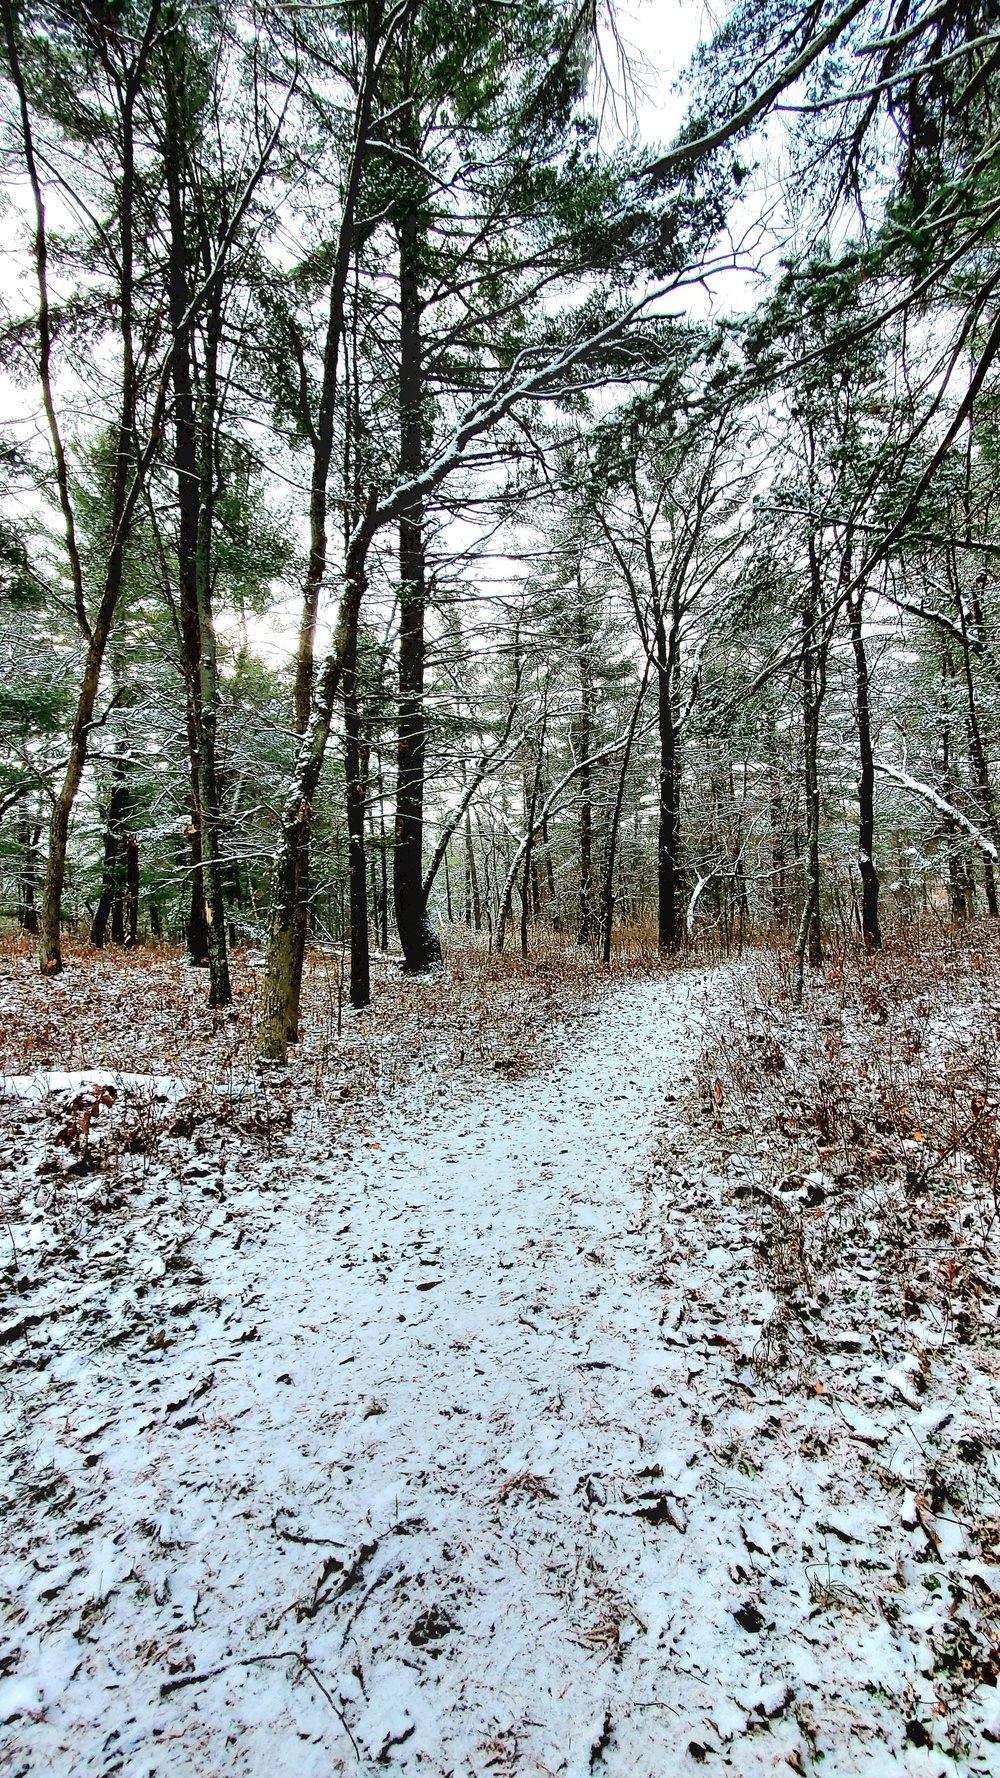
(549,1375)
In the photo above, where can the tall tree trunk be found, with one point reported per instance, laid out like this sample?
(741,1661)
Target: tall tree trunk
(130,900)
(110,902)
(779,904)
(475,907)
(870,929)
(550,876)
(97,630)
(220,989)
(608,887)
(669,926)
(360,989)
(95,633)
(526,878)
(280,1015)
(980,763)
(421,948)
(195,501)
(586,926)
(27,870)
(196,925)
(958,875)
(809,938)
(383,894)
(320,431)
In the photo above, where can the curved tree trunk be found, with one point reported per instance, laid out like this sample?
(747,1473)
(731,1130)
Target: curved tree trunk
(282,981)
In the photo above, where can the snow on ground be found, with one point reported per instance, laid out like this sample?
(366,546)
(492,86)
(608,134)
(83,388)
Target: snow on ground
(446,1456)
(46,1081)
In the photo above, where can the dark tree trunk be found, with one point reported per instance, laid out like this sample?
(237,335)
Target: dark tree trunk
(668,826)
(779,898)
(550,879)
(220,990)
(27,872)
(870,929)
(320,429)
(196,924)
(383,898)
(195,500)
(130,900)
(980,763)
(421,949)
(809,939)
(110,905)
(526,878)
(360,989)
(586,929)
(962,903)
(608,887)
(472,876)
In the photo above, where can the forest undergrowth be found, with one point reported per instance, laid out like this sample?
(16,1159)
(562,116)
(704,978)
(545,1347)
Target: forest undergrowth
(857,1140)
(871,1118)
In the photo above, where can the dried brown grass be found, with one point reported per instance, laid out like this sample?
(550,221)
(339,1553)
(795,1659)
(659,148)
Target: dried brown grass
(869,1120)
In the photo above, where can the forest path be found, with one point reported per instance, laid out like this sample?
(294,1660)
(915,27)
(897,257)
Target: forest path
(433,1482)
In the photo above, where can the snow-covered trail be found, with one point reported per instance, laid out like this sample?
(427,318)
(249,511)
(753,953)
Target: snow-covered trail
(426,1484)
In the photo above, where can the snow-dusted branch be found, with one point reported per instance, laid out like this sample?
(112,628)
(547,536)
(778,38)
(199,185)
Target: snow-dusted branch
(941,803)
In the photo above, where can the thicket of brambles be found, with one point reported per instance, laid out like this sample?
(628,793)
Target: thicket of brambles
(393,535)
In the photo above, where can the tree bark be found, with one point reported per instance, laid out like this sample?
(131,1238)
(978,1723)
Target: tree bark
(809,936)
(282,981)
(220,989)
(962,904)
(669,927)
(529,843)
(110,902)
(871,931)
(27,874)
(130,903)
(779,904)
(474,904)
(98,629)
(586,926)
(421,948)
(195,497)
(360,986)
(196,925)
(608,889)
(320,431)
(977,750)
